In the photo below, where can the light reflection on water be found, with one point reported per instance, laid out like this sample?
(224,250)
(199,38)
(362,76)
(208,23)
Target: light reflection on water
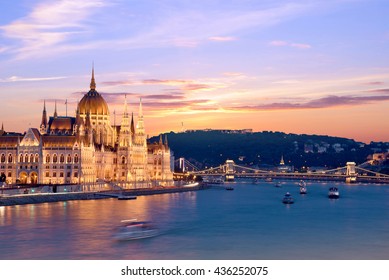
(247,223)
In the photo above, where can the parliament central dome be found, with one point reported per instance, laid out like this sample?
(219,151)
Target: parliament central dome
(93,102)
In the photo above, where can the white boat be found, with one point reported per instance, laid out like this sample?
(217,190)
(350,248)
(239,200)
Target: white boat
(288,199)
(132,230)
(302,183)
(303,190)
(333,192)
(194,184)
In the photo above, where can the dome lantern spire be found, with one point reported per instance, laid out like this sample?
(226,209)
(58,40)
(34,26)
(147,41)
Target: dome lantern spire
(93,82)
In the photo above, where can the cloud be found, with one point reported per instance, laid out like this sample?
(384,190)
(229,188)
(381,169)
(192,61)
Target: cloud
(324,102)
(182,85)
(375,83)
(222,38)
(165,82)
(118,83)
(300,46)
(67,26)
(279,43)
(21,79)
(49,24)
(381,91)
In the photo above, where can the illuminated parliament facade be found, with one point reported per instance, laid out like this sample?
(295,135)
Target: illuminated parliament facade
(85,148)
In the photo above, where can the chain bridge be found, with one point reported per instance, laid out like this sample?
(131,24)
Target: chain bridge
(350,173)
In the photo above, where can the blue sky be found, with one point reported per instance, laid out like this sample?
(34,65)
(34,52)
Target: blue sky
(315,67)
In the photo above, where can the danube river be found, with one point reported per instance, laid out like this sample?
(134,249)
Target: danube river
(249,222)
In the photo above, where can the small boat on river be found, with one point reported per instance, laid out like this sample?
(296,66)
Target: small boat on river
(333,193)
(303,187)
(288,199)
(132,230)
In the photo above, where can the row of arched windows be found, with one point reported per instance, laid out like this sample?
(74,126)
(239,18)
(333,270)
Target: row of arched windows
(27,158)
(35,158)
(61,158)
(3,157)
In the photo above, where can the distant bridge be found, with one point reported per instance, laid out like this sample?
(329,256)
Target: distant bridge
(350,173)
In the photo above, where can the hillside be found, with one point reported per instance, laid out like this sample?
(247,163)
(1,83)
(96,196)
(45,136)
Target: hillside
(214,147)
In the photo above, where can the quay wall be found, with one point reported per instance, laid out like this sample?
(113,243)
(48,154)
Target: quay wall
(21,199)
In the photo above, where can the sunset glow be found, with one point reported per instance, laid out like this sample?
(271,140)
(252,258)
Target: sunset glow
(312,67)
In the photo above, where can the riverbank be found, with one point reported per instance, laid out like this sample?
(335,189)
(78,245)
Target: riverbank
(21,199)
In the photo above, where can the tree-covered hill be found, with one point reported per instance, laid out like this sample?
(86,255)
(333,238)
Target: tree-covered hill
(214,147)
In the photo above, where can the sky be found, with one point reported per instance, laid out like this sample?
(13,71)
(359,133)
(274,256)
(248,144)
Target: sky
(304,67)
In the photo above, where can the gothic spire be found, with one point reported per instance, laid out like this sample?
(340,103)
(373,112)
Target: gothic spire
(44,119)
(92,82)
(140,108)
(166,144)
(55,110)
(132,124)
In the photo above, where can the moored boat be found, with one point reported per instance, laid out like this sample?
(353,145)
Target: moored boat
(288,199)
(229,188)
(333,192)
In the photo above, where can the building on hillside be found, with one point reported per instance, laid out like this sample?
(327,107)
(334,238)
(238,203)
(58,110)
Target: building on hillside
(85,148)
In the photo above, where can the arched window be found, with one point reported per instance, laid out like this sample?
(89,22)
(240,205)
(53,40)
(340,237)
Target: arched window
(69,158)
(20,158)
(25,158)
(36,158)
(62,158)
(55,158)
(2,157)
(48,158)
(76,158)
(10,159)
(31,158)
(123,160)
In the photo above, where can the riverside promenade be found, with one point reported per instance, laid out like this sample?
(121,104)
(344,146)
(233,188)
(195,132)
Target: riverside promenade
(34,198)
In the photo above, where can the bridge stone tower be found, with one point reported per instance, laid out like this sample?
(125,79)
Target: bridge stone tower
(230,170)
(351,175)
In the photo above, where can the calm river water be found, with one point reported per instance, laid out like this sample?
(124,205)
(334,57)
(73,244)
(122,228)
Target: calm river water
(249,222)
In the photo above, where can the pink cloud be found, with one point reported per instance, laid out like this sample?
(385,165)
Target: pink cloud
(221,39)
(279,43)
(324,102)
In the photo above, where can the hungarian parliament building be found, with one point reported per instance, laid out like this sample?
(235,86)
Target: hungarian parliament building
(85,148)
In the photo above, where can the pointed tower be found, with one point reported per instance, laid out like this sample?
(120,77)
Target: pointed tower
(43,127)
(79,127)
(166,143)
(140,136)
(132,126)
(282,162)
(2,129)
(125,130)
(55,110)
(93,82)
(139,150)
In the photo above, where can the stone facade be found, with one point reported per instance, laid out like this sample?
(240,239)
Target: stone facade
(85,149)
